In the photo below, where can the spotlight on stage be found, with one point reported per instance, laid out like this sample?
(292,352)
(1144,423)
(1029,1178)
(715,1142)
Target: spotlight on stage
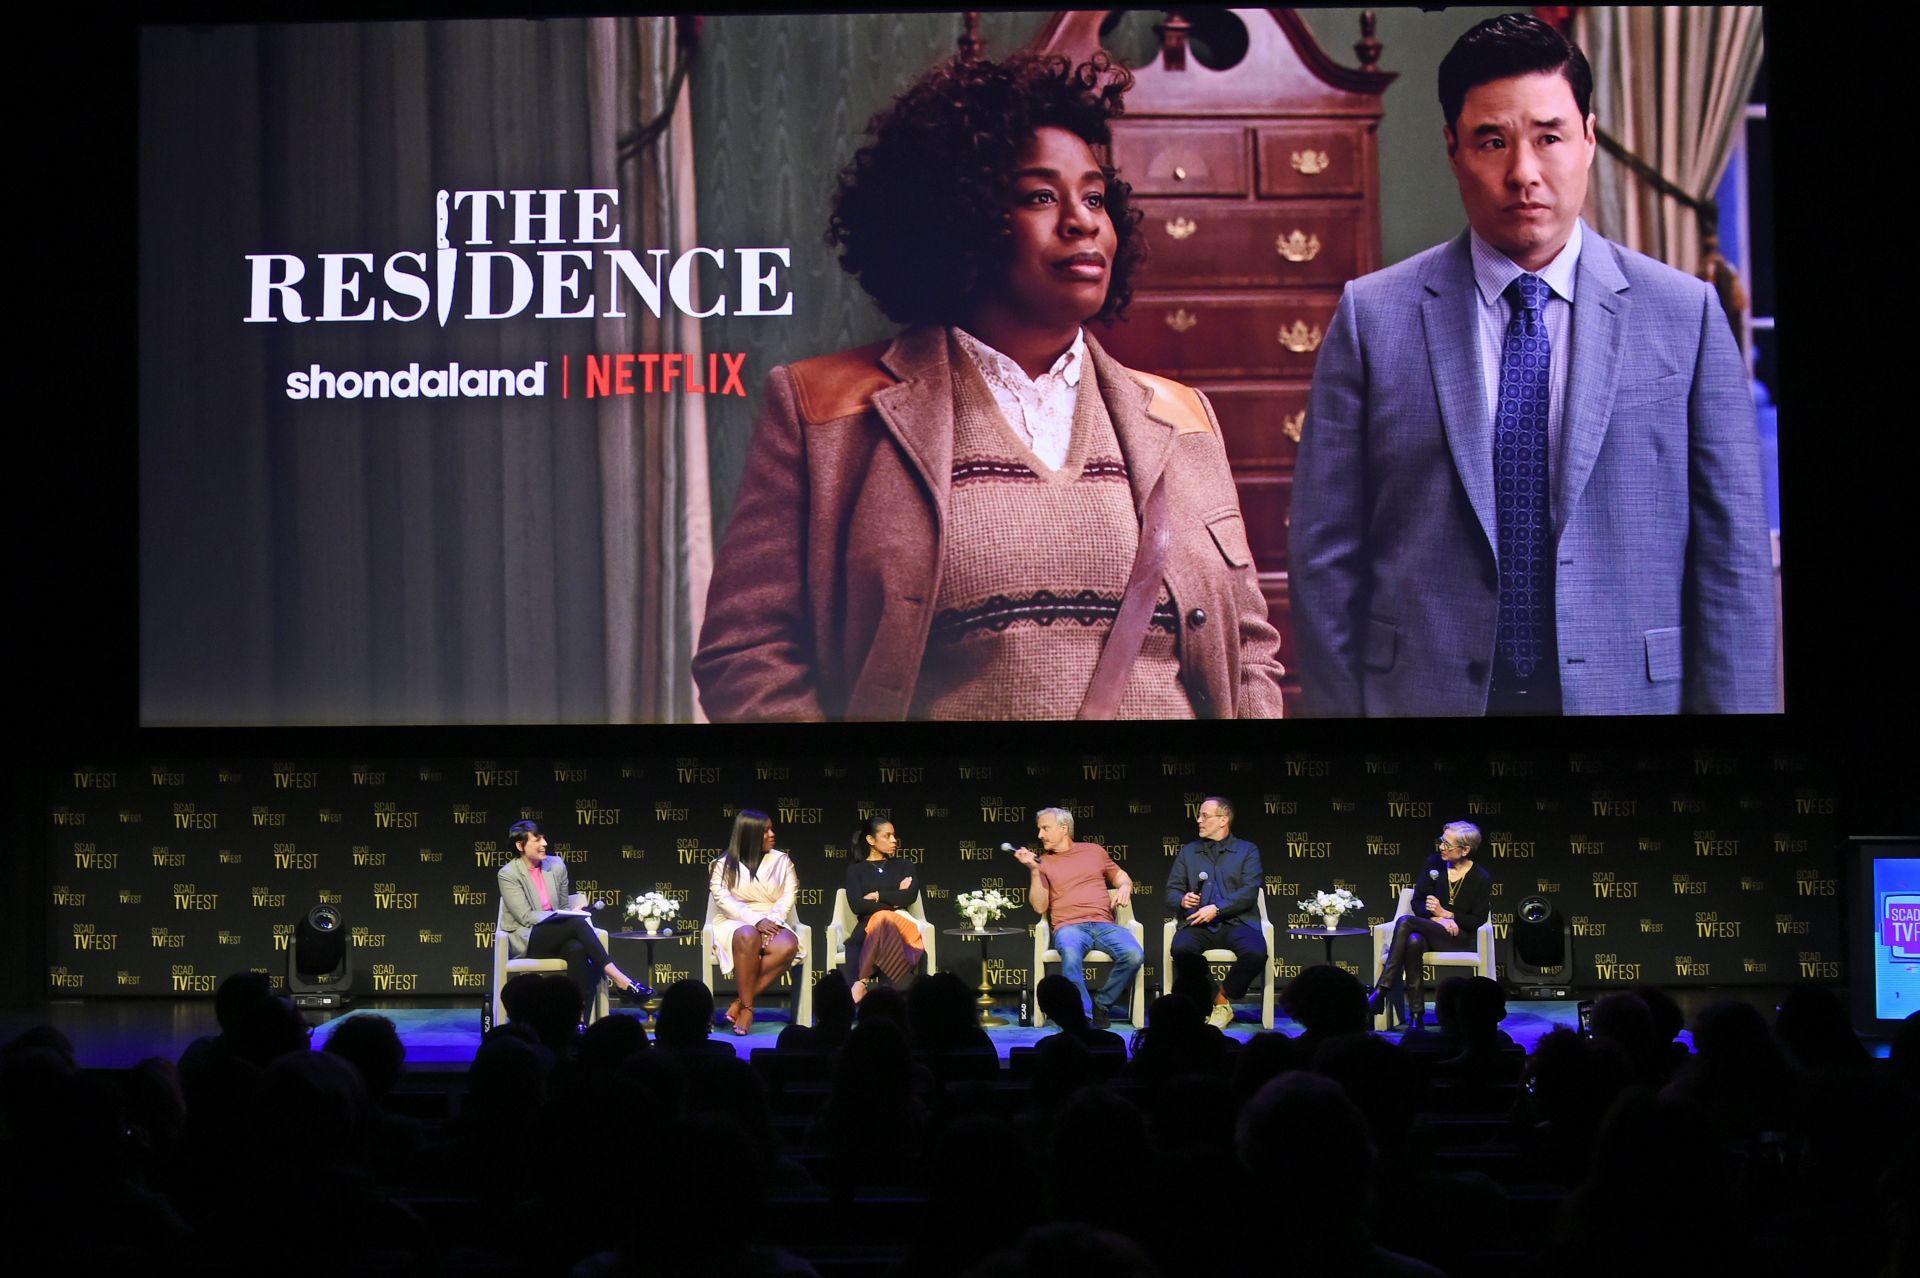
(319,964)
(1540,958)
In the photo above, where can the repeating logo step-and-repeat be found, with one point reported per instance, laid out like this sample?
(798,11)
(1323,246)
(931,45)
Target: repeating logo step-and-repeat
(1704,867)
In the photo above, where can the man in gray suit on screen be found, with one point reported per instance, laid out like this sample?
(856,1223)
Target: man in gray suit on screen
(1529,481)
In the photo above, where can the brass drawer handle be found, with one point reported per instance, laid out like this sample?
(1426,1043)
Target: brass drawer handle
(1310,162)
(1300,339)
(1292,423)
(1297,246)
(1180,228)
(1183,319)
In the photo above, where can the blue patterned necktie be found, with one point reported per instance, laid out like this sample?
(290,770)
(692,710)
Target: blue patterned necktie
(1520,479)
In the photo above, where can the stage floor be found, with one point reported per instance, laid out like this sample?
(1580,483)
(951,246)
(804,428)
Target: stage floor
(442,1034)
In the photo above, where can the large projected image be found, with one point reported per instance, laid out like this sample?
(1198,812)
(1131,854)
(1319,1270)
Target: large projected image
(922,367)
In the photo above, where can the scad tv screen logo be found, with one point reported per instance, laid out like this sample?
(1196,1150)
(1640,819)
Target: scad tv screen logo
(1900,924)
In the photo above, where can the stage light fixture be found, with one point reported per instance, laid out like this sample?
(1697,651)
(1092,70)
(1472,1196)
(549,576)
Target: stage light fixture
(319,961)
(1540,951)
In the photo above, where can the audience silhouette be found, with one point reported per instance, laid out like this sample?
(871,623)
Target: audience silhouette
(870,1147)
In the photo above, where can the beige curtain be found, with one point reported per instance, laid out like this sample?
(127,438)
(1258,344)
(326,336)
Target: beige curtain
(655,507)
(1671,86)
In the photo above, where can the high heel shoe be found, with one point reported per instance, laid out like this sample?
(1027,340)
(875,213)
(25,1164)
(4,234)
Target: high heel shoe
(1376,1000)
(743,1022)
(635,994)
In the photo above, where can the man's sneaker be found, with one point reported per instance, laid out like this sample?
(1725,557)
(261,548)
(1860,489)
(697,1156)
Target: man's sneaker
(1100,1018)
(1221,1016)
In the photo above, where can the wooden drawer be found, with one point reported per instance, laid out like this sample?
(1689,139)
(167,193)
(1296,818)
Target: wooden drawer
(1260,425)
(1223,335)
(1312,159)
(1199,159)
(1264,502)
(1208,244)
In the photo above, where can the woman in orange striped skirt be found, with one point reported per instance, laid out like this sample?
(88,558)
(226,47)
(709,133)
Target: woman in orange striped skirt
(887,944)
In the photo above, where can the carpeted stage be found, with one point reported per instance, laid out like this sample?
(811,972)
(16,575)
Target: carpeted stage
(442,1034)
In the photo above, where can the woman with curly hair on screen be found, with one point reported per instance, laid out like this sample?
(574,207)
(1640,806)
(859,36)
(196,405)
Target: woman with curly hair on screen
(987,517)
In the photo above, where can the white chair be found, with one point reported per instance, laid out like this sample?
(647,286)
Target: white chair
(1224,956)
(1044,953)
(504,966)
(1479,958)
(845,923)
(801,972)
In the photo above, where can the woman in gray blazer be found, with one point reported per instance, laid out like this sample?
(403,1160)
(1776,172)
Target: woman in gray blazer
(532,887)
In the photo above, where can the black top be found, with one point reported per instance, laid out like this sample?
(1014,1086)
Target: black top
(882,877)
(1234,879)
(1471,898)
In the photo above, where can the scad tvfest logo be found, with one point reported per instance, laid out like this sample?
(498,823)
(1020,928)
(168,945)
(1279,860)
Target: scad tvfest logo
(1900,924)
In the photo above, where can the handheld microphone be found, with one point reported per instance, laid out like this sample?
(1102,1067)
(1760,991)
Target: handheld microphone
(1200,889)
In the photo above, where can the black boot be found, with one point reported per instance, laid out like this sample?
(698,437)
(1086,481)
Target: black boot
(1376,1000)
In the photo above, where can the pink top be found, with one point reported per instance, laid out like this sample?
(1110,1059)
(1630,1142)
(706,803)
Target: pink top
(540,882)
(1077,882)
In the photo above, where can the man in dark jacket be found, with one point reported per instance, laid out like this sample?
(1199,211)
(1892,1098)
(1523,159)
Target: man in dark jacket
(1214,888)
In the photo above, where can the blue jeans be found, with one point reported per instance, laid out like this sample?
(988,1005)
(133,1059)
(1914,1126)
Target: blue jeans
(1075,939)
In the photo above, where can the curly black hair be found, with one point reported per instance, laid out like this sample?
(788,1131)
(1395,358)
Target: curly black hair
(935,173)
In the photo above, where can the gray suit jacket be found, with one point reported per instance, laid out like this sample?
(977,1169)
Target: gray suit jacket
(520,904)
(1663,576)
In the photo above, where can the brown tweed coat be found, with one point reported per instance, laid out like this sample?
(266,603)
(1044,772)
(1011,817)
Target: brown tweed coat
(824,590)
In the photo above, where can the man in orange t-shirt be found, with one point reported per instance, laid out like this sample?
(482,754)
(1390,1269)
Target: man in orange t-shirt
(1070,889)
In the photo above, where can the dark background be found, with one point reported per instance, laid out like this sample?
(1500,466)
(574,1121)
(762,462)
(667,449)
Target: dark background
(1846,471)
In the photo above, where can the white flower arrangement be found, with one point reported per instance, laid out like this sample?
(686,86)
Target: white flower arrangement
(653,909)
(988,903)
(1337,902)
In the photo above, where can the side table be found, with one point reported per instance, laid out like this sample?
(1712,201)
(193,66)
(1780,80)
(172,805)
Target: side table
(984,935)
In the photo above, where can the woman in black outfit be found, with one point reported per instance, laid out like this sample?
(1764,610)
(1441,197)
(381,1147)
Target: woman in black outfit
(1450,901)
(887,940)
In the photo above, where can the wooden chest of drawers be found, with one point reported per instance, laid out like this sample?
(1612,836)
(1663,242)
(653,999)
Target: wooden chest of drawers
(1260,187)
(1259,244)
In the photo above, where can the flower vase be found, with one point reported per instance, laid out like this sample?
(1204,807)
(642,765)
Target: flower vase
(979,920)
(1332,920)
(649,923)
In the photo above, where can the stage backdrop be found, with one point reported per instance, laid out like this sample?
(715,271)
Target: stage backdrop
(1677,868)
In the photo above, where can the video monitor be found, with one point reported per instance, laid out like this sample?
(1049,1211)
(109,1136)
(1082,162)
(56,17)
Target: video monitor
(1884,917)
(862,367)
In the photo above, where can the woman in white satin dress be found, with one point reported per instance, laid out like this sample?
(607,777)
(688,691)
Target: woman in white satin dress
(754,888)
